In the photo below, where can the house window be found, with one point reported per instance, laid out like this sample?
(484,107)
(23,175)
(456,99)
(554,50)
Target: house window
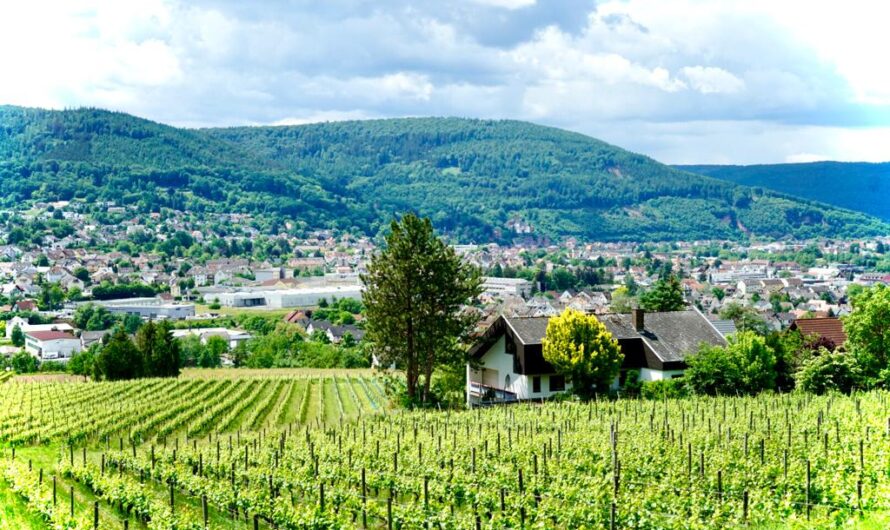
(536,384)
(557,383)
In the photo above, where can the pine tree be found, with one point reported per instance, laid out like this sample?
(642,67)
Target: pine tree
(415,291)
(17,337)
(665,295)
(119,358)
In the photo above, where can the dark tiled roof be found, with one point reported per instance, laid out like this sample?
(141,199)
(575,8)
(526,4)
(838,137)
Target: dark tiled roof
(670,335)
(725,327)
(529,330)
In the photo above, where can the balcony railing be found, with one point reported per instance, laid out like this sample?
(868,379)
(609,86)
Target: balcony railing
(484,394)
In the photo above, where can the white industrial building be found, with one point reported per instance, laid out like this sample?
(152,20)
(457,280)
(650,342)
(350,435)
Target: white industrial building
(150,308)
(282,298)
(51,345)
(506,286)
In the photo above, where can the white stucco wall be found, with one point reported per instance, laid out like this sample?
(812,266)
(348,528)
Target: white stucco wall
(496,358)
(648,374)
(54,350)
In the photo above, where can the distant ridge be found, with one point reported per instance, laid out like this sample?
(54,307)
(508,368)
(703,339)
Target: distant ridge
(479,180)
(860,186)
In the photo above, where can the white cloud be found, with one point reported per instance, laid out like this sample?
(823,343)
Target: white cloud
(712,80)
(805,157)
(682,80)
(507,4)
(323,116)
(558,57)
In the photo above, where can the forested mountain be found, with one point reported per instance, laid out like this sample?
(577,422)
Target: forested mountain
(860,186)
(478,180)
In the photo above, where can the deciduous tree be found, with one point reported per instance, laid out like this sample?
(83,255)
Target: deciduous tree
(868,328)
(580,347)
(119,358)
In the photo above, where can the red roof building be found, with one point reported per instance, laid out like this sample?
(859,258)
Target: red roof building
(50,335)
(828,329)
(25,305)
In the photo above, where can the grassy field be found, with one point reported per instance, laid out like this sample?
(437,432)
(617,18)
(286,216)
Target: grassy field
(202,309)
(204,373)
(317,449)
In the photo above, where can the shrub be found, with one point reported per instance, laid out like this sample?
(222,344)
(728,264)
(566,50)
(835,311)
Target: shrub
(829,371)
(745,366)
(664,389)
(632,383)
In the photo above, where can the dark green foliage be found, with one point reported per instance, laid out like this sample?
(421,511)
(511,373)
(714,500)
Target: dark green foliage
(665,295)
(110,291)
(119,358)
(159,350)
(17,337)
(82,362)
(746,318)
(830,371)
(471,177)
(415,290)
(51,297)
(24,363)
(664,389)
(745,366)
(212,353)
(868,329)
(859,186)
(92,317)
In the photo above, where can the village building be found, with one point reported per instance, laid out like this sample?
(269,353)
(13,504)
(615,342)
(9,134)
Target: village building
(508,362)
(829,331)
(51,345)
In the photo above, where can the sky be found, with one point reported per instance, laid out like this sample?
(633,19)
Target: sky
(683,81)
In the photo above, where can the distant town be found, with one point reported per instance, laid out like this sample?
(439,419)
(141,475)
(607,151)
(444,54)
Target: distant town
(193,270)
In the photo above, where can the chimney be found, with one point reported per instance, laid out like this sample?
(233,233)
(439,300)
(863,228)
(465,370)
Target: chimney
(639,319)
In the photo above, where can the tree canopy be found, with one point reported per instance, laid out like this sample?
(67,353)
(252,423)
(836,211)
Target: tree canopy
(580,347)
(744,366)
(665,295)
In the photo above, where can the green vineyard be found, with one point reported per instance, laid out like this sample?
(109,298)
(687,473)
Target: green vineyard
(322,451)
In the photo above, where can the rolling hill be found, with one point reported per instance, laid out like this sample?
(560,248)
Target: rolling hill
(478,180)
(860,186)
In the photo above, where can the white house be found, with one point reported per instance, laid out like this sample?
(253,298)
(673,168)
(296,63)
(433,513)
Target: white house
(509,363)
(51,345)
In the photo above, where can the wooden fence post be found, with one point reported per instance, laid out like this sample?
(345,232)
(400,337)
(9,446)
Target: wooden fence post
(808,490)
